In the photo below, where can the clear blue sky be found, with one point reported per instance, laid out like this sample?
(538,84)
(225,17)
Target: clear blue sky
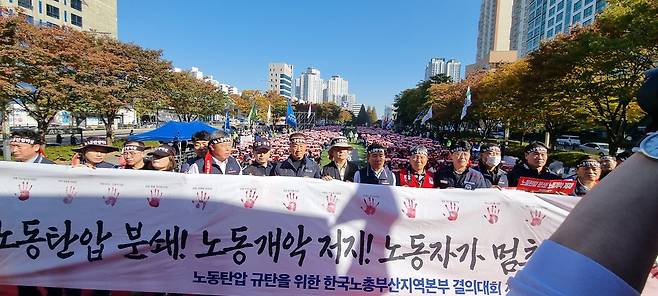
(380,47)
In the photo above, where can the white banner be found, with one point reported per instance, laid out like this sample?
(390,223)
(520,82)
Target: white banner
(243,235)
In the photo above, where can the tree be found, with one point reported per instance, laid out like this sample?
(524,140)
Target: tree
(191,98)
(116,75)
(362,118)
(38,68)
(410,102)
(345,116)
(372,114)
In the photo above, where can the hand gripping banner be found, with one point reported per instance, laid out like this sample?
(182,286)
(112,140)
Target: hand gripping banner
(243,235)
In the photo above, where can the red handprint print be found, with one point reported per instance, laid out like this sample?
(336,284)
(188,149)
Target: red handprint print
(453,210)
(202,199)
(69,194)
(112,196)
(536,217)
(492,214)
(154,198)
(371,206)
(410,205)
(250,198)
(292,202)
(331,203)
(24,191)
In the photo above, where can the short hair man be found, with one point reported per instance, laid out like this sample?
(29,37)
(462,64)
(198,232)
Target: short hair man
(587,174)
(490,165)
(375,172)
(133,154)
(26,146)
(298,163)
(218,159)
(608,164)
(458,174)
(415,173)
(200,140)
(533,166)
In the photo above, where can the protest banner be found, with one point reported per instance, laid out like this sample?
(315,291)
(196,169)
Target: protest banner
(243,235)
(565,187)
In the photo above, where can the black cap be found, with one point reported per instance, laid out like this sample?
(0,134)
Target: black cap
(262,144)
(163,150)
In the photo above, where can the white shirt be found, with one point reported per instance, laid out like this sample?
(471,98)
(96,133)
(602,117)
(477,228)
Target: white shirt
(194,168)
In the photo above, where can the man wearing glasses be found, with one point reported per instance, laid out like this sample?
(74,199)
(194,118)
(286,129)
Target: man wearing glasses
(133,154)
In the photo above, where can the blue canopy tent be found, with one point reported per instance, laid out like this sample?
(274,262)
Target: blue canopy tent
(173,131)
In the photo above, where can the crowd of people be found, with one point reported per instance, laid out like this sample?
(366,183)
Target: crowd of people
(391,159)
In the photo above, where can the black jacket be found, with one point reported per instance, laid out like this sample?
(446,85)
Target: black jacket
(308,169)
(496,177)
(332,170)
(523,170)
(255,169)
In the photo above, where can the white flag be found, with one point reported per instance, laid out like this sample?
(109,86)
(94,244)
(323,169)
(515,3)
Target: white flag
(427,116)
(467,103)
(269,115)
(308,115)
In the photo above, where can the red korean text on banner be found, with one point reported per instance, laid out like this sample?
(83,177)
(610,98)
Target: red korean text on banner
(546,186)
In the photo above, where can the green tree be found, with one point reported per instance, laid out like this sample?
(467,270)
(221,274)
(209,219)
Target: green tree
(38,68)
(191,98)
(362,118)
(116,75)
(372,114)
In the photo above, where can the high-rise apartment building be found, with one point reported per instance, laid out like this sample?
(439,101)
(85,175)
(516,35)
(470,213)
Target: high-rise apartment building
(454,70)
(280,79)
(495,34)
(548,18)
(337,88)
(310,86)
(435,67)
(97,16)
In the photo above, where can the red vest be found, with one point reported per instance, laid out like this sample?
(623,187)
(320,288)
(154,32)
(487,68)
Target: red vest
(412,181)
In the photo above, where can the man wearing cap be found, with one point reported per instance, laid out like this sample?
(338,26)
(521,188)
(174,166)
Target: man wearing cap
(218,159)
(458,174)
(133,154)
(339,168)
(608,163)
(375,172)
(490,167)
(415,174)
(533,166)
(260,165)
(200,140)
(587,175)
(92,153)
(298,163)
(26,146)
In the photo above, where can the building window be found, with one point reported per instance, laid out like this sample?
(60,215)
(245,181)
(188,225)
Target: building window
(558,28)
(577,5)
(551,12)
(576,18)
(559,16)
(25,3)
(588,11)
(52,11)
(588,1)
(587,22)
(560,5)
(600,5)
(76,4)
(552,2)
(551,22)
(76,20)
(550,33)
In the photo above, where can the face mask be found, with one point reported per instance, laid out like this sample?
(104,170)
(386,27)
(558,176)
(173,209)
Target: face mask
(492,161)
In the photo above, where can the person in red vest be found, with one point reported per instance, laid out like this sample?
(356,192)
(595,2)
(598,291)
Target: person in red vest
(415,173)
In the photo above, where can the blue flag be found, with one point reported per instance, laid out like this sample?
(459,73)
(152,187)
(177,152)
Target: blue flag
(227,123)
(291,120)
